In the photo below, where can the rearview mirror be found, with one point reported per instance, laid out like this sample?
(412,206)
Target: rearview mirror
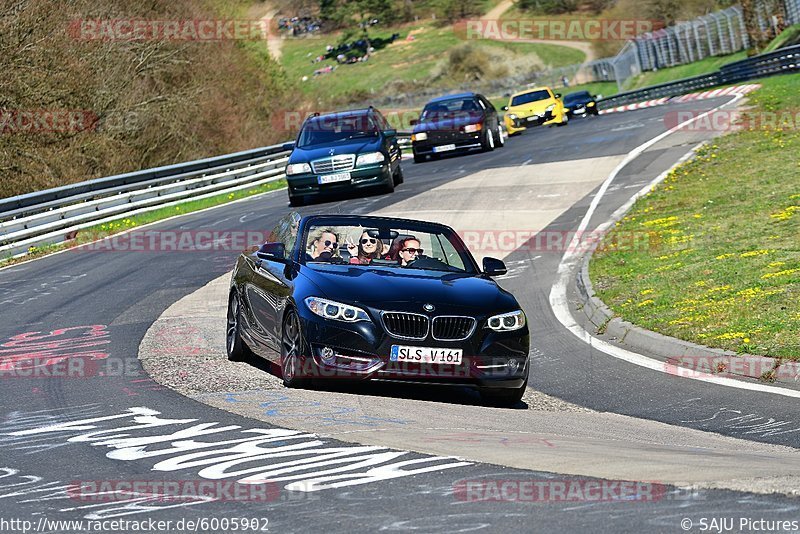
(412,122)
(390,133)
(494,267)
(288,146)
(558,95)
(504,108)
(272,252)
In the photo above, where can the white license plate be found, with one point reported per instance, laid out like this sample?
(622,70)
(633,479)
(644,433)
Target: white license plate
(444,148)
(330,178)
(580,110)
(533,118)
(402,353)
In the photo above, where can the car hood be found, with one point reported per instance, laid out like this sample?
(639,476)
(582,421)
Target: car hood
(447,123)
(532,107)
(382,287)
(354,146)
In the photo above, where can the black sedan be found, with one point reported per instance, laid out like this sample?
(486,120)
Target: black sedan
(378,298)
(580,104)
(460,122)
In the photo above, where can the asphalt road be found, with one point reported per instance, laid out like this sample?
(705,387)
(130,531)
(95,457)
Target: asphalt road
(122,293)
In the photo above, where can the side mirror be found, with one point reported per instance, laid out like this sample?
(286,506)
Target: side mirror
(272,252)
(390,133)
(288,146)
(494,267)
(413,122)
(504,108)
(558,95)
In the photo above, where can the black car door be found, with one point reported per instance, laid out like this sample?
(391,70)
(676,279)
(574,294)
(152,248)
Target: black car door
(267,292)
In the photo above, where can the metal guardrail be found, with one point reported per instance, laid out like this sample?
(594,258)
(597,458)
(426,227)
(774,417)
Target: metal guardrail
(49,216)
(781,61)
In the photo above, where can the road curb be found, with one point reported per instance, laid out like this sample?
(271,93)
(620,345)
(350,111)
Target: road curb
(680,357)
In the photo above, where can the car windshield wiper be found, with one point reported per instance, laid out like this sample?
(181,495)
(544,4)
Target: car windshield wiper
(362,134)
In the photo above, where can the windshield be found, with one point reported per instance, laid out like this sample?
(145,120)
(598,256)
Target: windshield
(334,128)
(577,97)
(404,247)
(455,108)
(533,96)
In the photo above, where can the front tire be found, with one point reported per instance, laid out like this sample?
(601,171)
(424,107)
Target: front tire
(418,158)
(398,176)
(488,141)
(237,349)
(292,352)
(297,201)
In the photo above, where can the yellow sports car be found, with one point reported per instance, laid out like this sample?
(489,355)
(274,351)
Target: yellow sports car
(534,107)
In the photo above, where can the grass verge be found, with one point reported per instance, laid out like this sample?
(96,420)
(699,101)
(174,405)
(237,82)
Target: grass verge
(124,223)
(722,263)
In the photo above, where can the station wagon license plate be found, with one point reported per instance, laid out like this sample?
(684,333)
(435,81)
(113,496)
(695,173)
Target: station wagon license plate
(444,148)
(330,178)
(402,353)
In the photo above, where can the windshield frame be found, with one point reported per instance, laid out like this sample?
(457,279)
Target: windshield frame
(403,226)
(528,93)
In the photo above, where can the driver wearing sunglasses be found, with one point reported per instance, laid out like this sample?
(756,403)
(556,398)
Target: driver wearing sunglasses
(405,250)
(324,246)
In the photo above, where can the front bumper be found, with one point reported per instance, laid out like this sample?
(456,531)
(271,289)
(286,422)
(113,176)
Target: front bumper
(522,122)
(302,185)
(461,142)
(490,359)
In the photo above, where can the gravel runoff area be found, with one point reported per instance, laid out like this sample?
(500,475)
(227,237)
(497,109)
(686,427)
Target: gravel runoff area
(185,351)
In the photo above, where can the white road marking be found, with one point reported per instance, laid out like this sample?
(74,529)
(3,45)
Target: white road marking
(558,293)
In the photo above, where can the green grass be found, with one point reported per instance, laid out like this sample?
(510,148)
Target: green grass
(704,66)
(404,62)
(786,37)
(127,223)
(722,262)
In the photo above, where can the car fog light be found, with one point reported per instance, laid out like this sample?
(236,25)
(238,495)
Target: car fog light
(512,366)
(328,355)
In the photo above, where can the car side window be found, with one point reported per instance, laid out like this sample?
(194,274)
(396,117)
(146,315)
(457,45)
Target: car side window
(381,120)
(487,104)
(480,102)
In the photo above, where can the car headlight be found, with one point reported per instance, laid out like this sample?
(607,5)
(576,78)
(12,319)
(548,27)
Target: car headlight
(590,104)
(421,136)
(551,107)
(330,309)
(469,128)
(370,159)
(297,168)
(512,116)
(506,322)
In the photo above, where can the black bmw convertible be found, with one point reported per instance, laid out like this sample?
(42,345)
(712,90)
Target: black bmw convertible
(378,298)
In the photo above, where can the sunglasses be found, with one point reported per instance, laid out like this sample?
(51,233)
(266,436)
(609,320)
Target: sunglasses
(369,240)
(413,250)
(329,243)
